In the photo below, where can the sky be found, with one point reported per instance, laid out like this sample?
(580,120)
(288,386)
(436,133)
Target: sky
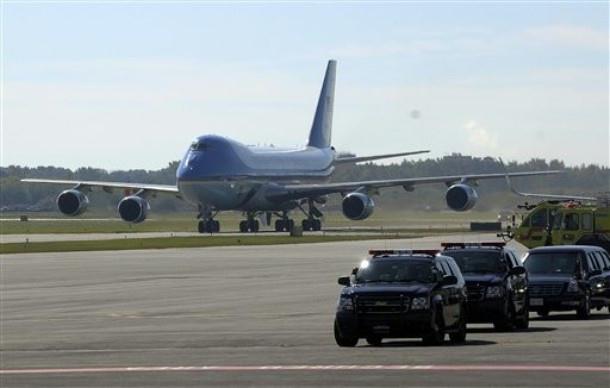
(126,85)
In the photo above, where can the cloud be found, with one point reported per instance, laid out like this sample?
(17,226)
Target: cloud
(571,36)
(480,137)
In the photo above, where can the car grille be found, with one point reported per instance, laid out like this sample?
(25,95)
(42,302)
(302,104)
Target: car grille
(475,292)
(545,289)
(394,304)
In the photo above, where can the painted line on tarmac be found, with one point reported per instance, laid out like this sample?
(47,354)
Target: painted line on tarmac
(266,368)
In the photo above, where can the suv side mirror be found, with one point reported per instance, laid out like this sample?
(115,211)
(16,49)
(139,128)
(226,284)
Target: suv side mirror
(449,280)
(344,281)
(517,271)
(595,272)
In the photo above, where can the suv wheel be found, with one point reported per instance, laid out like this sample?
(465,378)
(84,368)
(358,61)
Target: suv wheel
(584,311)
(524,322)
(506,323)
(459,336)
(436,335)
(374,340)
(344,341)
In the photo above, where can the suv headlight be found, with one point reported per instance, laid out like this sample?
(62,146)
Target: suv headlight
(494,292)
(599,284)
(573,286)
(345,303)
(420,303)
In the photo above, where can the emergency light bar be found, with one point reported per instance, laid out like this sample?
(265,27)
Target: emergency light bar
(498,245)
(387,252)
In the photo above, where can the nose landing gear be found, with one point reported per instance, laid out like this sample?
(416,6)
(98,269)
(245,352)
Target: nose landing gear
(207,224)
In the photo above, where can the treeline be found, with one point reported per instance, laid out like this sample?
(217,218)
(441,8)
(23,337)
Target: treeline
(583,180)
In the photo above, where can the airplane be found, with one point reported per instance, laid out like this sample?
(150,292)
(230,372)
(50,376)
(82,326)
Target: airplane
(220,174)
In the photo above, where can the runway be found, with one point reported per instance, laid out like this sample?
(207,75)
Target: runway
(255,316)
(331,231)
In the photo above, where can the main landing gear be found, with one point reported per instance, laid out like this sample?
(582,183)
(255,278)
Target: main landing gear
(284,224)
(251,225)
(207,224)
(312,222)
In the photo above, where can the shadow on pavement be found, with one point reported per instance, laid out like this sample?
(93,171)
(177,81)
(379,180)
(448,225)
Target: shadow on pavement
(419,343)
(569,316)
(492,330)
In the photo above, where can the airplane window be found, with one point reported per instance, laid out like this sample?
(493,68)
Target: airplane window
(196,146)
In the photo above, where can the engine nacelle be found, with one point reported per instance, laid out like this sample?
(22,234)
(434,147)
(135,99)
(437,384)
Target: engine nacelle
(461,197)
(357,206)
(133,209)
(72,202)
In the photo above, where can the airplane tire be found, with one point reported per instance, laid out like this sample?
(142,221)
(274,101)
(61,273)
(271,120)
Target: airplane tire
(243,226)
(252,227)
(317,225)
(279,225)
(306,225)
(201,227)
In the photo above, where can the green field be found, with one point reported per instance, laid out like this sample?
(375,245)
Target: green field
(180,242)
(103,223)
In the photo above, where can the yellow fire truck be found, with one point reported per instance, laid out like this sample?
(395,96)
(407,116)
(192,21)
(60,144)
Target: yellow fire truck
(562,220)
(565,222)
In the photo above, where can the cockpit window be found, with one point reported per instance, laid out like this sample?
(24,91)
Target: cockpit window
(197,146)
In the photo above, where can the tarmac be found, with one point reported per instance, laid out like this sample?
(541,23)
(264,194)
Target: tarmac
(251,316)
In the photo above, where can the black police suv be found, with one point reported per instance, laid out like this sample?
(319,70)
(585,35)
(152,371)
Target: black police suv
(568,277)
(397,294)
(496,283)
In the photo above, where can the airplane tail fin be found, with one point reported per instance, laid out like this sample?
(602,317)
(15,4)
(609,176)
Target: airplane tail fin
(321,129)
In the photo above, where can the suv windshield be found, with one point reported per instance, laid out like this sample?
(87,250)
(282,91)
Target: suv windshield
(552,263)
(478,261)
(396,271)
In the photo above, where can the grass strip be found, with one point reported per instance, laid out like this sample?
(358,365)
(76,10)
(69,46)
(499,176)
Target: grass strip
(178,242)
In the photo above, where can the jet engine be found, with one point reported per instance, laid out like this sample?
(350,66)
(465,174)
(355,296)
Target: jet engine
(72,202)
(133,209)
(461,197)
(357,206)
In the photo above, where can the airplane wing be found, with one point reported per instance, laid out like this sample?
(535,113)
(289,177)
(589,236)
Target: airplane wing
(109,186)
(298,191)
(358,159)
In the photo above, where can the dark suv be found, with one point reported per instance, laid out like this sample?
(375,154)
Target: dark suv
(396,294)
(568,277)
(496,283)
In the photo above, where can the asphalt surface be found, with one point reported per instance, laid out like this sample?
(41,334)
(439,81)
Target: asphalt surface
(332,231)
(253,316)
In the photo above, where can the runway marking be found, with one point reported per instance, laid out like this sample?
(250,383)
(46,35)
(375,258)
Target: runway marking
(251,368)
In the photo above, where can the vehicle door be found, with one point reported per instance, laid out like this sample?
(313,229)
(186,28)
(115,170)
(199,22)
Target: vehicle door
(605,258)
(451,314)
(570,228)
(603,265)
(516,282)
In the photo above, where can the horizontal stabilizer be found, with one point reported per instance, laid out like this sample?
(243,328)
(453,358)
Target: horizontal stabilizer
(358,159)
